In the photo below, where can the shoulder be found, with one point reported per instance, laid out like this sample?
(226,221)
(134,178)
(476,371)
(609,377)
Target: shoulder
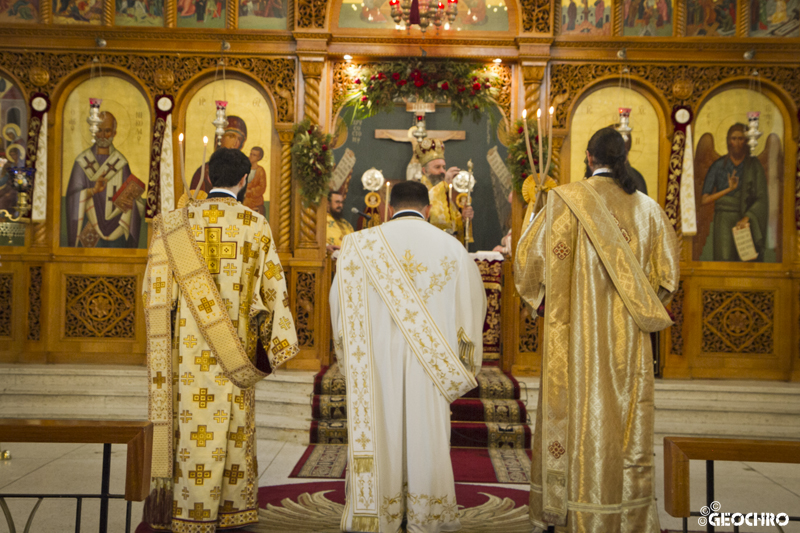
(718,164)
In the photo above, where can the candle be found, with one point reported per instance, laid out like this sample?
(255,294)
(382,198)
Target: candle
(183,174)
(549,143)
(528,143)
(388,196)
(539,134)
(450,209)
(202,167)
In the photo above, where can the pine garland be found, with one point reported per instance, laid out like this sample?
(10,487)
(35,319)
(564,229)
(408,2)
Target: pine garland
(313,162)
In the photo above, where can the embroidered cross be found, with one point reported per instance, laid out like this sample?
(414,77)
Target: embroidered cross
(203,398)
(199,475)
(197,230)
(205,361)
(233,475)
(190,341)
(110,197)
(230,269)
(89,165)
(556,449)
(228,303)
(232,231)
(285,323)
(214,249)
(158,285)
(213,214)
(238,437)
(221,380)
(187,378)
(186,416)
(363,440)
(185,494)
(248,251)
(273,271)
(176,511)
(280,344)
(265,241)
(216,493)
(206,305)
(228,507)
(184,454)
(219,454)
(245,217)
(220,416)
(561,250)
(159,380)
(199,511)
(352,268)
(201,436)
(285,299)
(239,400)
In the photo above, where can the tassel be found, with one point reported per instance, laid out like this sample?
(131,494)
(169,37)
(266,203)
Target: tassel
(157,511)
(364,465)
(366,523)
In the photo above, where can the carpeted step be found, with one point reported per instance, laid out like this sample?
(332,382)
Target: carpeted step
(329,407)
(493,383)
(462,434)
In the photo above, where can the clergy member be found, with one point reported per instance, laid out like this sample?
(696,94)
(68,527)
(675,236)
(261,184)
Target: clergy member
(407,308)
(215,301)
(604,258)
(338,226)
(437,178)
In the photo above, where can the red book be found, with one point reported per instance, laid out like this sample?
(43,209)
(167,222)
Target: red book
(126,196)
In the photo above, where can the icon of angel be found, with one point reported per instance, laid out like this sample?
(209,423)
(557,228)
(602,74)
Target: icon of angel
(738,190)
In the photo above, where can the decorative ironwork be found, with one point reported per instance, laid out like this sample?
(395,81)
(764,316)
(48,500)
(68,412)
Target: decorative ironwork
(304,308)
(738,321)
(100,306)
(529,330)
(676,332)
(6,303)
(35,304)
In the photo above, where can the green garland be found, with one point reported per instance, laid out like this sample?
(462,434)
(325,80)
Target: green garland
(517,159)
(313,162)
(470,88)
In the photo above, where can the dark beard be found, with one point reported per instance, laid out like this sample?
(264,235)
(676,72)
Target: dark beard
(436,178)
(588,172)
(337,215)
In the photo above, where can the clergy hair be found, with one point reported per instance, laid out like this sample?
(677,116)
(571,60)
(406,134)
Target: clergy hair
(227,167)
(607,148)
(409,194)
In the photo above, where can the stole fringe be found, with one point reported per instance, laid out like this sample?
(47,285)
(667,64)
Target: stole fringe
(364,465)
(157,511)
(366,524)
(554,519)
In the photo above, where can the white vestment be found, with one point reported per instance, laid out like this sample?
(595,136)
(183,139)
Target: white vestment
(408,272)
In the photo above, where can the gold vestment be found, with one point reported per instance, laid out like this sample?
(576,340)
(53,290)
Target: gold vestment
(336,230)
(592,467)
(445,214)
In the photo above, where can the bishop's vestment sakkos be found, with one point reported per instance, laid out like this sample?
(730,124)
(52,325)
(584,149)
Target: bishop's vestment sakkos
(444,213)
(336,230)
(215,298)
(407,308)
(606,263)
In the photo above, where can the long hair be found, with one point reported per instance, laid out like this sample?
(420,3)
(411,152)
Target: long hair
(607,148)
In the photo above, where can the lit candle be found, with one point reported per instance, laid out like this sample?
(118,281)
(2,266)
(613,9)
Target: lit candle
(388,196)
(449,209)
(202,168)
(528,143)
(549,143)
(181,156)
(539,134)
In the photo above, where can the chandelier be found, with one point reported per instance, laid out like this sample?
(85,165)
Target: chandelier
(423,12)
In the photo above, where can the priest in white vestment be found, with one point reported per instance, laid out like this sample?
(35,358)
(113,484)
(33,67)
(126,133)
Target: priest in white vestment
(407,307)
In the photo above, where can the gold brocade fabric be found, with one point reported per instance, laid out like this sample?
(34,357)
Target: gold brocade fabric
(445,214)
(210,451)
(592,467)
(336,230)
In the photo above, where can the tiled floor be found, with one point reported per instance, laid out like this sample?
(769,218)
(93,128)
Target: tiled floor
(60,468)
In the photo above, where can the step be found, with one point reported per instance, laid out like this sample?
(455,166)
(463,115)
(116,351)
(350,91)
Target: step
(284,428)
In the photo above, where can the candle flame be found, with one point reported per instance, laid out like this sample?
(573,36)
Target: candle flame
(524,113)
(539,113)
(180,138)
(552,109)
(205,139)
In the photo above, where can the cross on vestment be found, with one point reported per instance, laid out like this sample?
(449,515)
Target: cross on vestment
(214,249)
(89,164)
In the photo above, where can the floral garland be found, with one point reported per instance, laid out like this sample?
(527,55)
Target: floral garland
(312,160)
(517,160)
(470,88)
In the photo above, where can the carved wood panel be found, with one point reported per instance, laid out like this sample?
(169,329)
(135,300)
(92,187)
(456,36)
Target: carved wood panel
(35,304)
(536,16)
(304,308)
(6,304)
(528,331)
(738,322)
(311,14)
(100,307)
(676,332)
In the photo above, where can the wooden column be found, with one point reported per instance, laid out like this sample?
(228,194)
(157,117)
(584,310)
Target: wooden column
(532,76)
(284,232)
(312,74)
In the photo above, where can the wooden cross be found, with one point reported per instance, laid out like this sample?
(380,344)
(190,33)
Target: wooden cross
(214,250)
(220,416)
(420,109)
(199,511)
(213,213)
(233,475)
(205,361)
(203,398)
(246,217)
(159,380)
(190,341)
(158,285)
(201,436)
(273,270)
(238,437)
(206,305)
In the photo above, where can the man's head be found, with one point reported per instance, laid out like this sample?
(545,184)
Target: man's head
(235,133)
(430,154)
(256,154)
(410,195)
(607,149)
(228,168)
(106,130)
(335,204)
(737,142)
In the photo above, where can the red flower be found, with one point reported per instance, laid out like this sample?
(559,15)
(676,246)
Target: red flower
(364,98)
(476,106)
(476,86)
(461,89)
(524,162)
(536,139)
(358,81)
(520,129)
(381,76)
(487,85)
(419,83)
(396,76)
(401,83)
(324,147)
(535,161)
(372,78)
(523,175)
(445,86)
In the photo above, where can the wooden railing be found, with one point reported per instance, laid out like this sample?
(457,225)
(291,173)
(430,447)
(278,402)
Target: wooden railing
(678,451)
(138,436)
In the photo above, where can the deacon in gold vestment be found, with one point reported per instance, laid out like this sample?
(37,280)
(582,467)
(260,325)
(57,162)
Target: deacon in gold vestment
(445,214)
(337,226)
(604,258)
(218,321)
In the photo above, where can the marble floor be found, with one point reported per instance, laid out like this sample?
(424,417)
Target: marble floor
(72,468)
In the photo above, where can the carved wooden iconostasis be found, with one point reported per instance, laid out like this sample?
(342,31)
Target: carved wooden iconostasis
(285,60)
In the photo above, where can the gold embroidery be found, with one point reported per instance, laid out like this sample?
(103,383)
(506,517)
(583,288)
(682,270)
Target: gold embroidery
(246,217)
(220,416)
(201,436)
(273,271)
(238,437)
(439,281)
(205,362)
(214,249)
(213,213)
(190,341)
(233,475)
(232,231)
(203,398)
(411,267)
(561,250)
(159,380)
(199,511)
(187,378)
(186,416)
(230,269)
(199,475)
